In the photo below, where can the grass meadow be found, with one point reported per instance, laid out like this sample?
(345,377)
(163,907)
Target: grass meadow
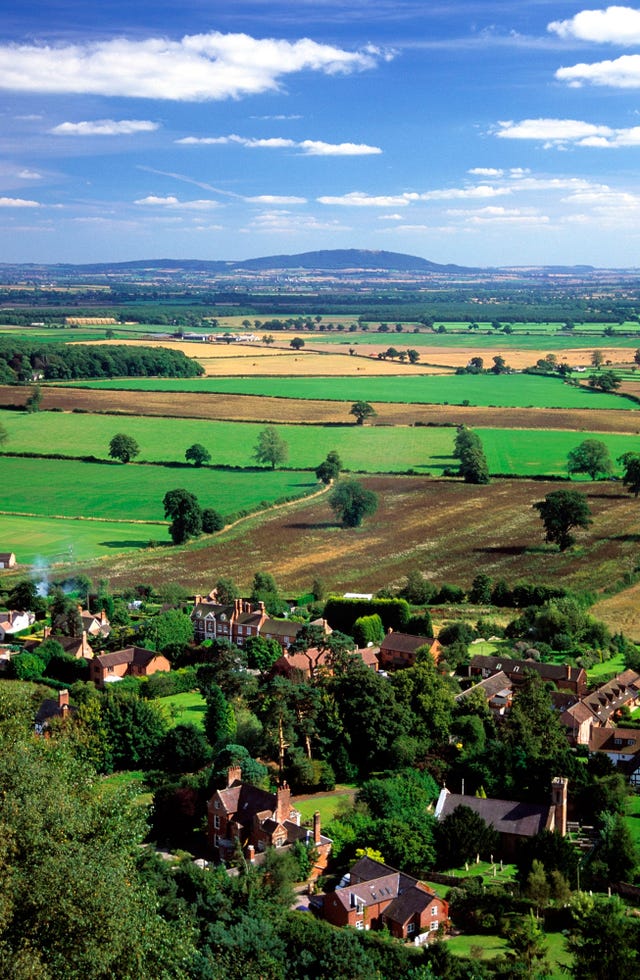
(509,390)
(185,709)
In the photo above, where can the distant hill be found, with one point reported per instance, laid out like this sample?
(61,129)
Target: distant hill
(331,260)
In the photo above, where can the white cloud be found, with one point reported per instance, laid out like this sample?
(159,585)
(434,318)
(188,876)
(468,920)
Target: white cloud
(18,202)
(26,174)
(479,191)
(173,202)
(308,147)
(623,72)
(197,68)
(559,132)
(356,199)
(105,127)
(275,199)
(390,217)
(485,172)
(616,25)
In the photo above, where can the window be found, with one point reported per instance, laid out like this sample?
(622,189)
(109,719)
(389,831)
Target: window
(433,927)
(216,822)
(411,928)
(217,804)
(434,910)
(215,840)
(359,924)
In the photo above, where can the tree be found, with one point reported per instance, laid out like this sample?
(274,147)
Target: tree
(462,835)
(219,719)
(171,628)
(226,591)
(197,454)
(186,517)
(603,938)
(560,511)
(597,359)
(591,457)
(605,381)
(212,520)
(351,502)
(499,365)
(34,400)
(473,466)
(270,447)
(413,356)
(631,475)
(297,343)
(330,468)
(262,653)
(123,447)
(528,948)
(362,411)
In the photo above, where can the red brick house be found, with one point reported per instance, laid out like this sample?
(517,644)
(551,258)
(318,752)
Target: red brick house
(374,895)
(564,676)
(398,650)
(235,621)
(52,708)
(254,819)
(130,662)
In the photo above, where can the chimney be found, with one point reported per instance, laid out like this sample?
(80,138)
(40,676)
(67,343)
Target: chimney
(103,617)
(80,608)
(234,775)
(46,632)
(316,827)
(251,853)
(283,805)
(559,790)
(567,668)
(198,600)
(63,702)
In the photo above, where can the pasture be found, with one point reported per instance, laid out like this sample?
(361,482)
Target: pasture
(502,391)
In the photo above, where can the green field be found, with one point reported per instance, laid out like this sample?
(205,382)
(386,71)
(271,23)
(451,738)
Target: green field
(487,947)
(327,805)
(52,541)
(185,709)
(371,449)
(504,391)
(525,336)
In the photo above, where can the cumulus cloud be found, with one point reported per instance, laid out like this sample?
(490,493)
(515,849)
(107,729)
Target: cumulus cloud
(308,147)
(275,199)
(615,25)
(197,68)
(623,72)
(559,132)
(479,191)
(26,174)
(173,202)
(105,127)
(485,172)
(500,215)
(17,202)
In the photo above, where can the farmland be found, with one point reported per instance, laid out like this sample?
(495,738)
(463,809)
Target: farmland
(502,391)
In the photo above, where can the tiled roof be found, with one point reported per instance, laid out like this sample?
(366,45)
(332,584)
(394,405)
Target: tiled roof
(404,642)
(409,903)
(552,672)
(505,816)
(130,655)
(491,686)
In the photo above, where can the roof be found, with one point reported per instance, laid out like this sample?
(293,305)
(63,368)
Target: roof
(550,672)
(606,700)
(624,741)
(491,686)
(244,801)
(130,655)
(203,609)
(404,642)
(409,903)
(50,708)
(281,627)
(505,816)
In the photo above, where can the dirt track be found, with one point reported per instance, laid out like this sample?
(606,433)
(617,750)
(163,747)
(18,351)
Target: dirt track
(251,408)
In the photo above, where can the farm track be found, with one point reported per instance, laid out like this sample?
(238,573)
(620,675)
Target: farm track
(252,408)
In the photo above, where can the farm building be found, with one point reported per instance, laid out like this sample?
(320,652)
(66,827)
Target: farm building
(7,559)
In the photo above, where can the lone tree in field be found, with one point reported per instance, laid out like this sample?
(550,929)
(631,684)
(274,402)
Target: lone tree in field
(473,464)
(329,468)
(123,447)
(185,513)
(197,454)
(631,475)
(561,511)
(297,343)
(351,502)
(362,411)
(271,447)
(591,457)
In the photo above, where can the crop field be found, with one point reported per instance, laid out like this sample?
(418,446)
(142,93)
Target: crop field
(447,529)
(509,390)
(52,488)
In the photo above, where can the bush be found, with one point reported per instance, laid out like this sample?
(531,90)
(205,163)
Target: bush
(449,595)
(341,614)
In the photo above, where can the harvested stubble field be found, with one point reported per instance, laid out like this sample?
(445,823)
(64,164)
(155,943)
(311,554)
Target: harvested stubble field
(248,408)
(447,529)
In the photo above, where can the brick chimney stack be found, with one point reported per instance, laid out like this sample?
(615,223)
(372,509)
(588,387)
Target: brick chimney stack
(63,702)
(559,791)
(316,827)
(283,805)
(234,775)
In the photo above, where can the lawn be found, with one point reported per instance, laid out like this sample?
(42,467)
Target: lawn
(509,390)
(186,709)
(608,668)
(327,804)
(40,539)
(492,946)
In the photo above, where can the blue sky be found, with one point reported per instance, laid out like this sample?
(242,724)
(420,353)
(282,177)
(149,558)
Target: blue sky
(480,133)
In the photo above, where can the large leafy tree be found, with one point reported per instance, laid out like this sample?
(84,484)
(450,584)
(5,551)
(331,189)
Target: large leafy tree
(329,469)
(270,447)
(462,835)
(631,474)
(590,457)
(362,411)
(197,454)
(185,513)
(351,502)
(123,447)
(560,511)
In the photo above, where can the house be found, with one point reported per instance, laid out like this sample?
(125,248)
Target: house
(109,668)
(13,621)
(398,650)
(75,646)
(234,621)
(621,746)
(283,631)
(303,665)
(497,691)
(579,720)
(241,815)
(606,701)
(514,821)
(7,559)
(52,708)
(374,895)
(564,676)
(95,625)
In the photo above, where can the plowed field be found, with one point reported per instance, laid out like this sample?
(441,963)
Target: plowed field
(449,530)
(261,409)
